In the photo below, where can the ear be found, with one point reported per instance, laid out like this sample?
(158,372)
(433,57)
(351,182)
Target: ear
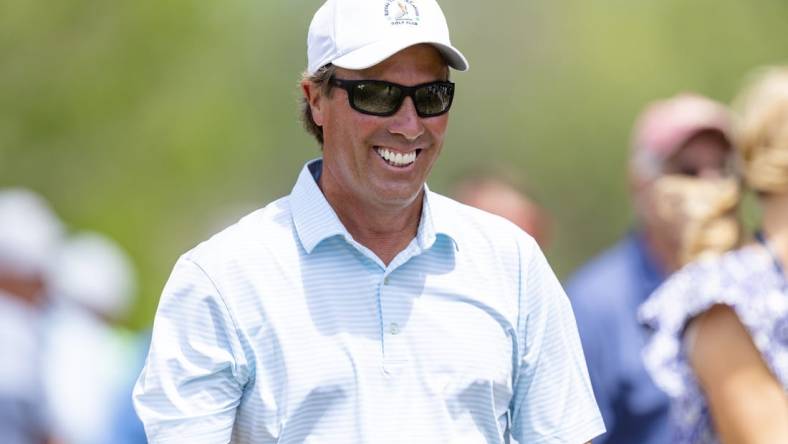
(315,99)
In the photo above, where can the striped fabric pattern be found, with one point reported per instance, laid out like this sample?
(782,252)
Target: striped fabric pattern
(283,329)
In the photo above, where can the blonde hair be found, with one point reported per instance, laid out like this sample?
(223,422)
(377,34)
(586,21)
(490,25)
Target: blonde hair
(701,214)
(761,130)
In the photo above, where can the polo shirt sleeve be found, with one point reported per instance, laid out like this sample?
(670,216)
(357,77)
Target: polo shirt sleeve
(553,401)
(195,372)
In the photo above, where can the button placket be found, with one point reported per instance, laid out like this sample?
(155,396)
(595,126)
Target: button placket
(394,355)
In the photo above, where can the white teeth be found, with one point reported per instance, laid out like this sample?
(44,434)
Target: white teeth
(396,159)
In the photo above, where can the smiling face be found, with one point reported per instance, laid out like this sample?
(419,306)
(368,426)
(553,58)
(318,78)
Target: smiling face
(380,162)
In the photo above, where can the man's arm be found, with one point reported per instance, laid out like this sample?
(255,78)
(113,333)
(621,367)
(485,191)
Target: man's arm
(195,373)
(747,403)
(553,400)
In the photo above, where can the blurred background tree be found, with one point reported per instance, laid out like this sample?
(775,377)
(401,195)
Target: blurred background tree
(159,123)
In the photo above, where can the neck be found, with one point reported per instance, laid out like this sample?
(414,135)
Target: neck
(386,230)
(775,224)
(662,251)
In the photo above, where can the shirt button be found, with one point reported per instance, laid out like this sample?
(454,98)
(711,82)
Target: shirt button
(386,280)
(394,328)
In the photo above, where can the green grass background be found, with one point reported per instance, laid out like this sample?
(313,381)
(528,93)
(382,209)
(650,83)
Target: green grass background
(158,123)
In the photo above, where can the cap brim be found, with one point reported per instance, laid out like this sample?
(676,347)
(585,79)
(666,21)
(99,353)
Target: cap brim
(371,55)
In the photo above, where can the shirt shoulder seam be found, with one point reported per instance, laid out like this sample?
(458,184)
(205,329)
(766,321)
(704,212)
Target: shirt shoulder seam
(220,297)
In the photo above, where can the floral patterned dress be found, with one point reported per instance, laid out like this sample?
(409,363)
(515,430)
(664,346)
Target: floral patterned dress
(750,281)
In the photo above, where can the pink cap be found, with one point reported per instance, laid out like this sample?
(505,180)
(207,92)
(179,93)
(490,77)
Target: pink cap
(666,125)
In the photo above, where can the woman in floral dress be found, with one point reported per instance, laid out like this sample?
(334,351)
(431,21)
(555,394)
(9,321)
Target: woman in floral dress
(720,341)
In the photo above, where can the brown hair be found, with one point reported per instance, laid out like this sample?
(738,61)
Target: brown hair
(321,79)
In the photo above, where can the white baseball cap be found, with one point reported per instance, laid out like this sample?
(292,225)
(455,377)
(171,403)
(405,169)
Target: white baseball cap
(357,34)
(94,272)
(29,232)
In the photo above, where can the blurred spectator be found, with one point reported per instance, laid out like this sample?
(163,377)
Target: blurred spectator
(126,427)
(29,234)
(497,194)
(683,199)
(88,361)
(720,347)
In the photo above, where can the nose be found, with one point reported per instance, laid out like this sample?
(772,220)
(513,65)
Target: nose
(406,121)
(709,172)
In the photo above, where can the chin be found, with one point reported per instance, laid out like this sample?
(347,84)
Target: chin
(401,199)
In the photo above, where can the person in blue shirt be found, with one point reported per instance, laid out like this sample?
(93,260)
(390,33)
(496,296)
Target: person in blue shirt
(362,307)
(681,148)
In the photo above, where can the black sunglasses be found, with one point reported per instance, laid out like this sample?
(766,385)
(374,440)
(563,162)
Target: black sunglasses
(381,98)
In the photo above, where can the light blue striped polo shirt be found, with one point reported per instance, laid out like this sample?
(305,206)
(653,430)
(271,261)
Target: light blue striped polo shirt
(283,329)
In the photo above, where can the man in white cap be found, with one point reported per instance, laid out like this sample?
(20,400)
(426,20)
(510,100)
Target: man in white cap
(363,308)
(29,234)
(681,156)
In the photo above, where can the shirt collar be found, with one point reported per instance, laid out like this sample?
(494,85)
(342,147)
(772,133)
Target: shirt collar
(438,217)
(313,217)
(315,220)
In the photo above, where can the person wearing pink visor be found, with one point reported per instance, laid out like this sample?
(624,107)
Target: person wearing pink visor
(680,169)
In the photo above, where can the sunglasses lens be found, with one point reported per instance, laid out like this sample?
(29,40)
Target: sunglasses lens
(433,99)
(381,98)
(377,97)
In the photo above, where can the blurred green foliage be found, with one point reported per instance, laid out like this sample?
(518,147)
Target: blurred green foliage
(159,123)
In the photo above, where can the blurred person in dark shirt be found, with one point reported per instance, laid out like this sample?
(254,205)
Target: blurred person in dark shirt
(29,233)
(680,181)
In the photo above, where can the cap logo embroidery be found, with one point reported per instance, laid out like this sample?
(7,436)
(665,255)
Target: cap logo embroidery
(401,12)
